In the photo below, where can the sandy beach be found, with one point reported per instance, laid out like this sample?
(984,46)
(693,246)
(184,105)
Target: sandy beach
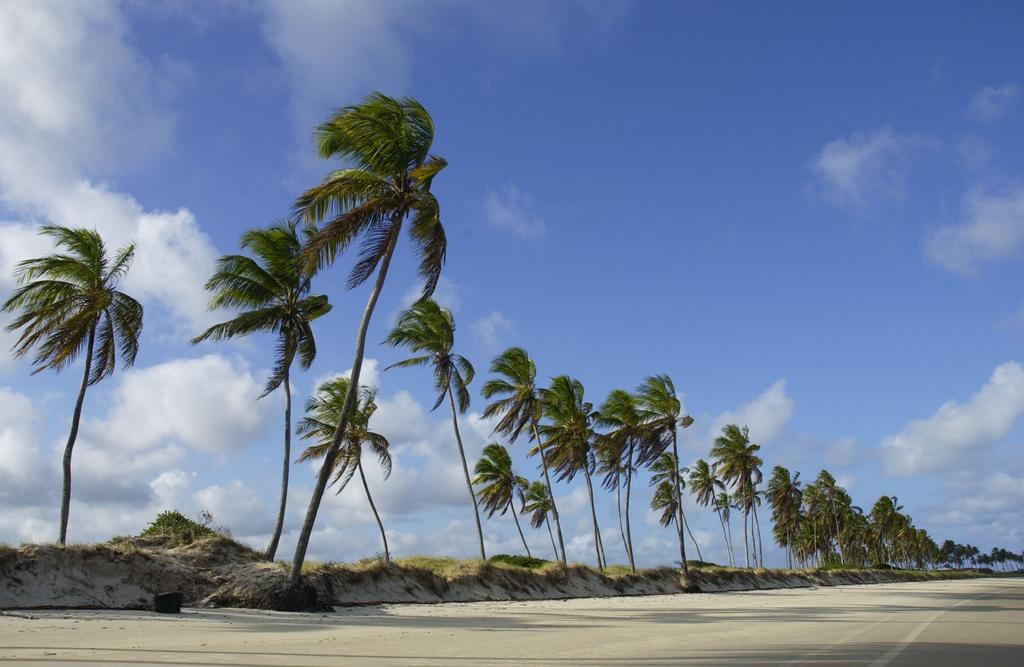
(946,622)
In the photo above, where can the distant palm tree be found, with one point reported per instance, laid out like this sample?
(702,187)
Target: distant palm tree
(662,412)
(737,462)
(274,292)
(570,436)
(68,301)
(785,499)
(499,487)
(665,500)
(386,145)
(609,454)
(429,330)
(537,501)
(665,468)
(705,486)
(626,434)
(723,505)
(517,406)
(321,416)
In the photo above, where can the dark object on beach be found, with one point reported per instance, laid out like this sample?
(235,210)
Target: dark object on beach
(168,603)
(302,597)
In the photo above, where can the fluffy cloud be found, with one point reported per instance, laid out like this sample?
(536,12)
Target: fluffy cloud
(992,102)
(993,511)
(766,415)
(82,103)
(944,440)
(513,211)
(992,230)
(236,507)
(491,330)
(866,165)
(21,468)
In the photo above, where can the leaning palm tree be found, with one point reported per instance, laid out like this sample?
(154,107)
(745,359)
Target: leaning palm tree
(69,301)
(321,416)
(723,505)
(665,469)
(274,292)
(661,411)
(785,499)
(737,462)
(705,486)
(517,406)
(385,143)
(428,330)
(570,436)
(625,436)
(537,501)
(609,454)
(499,486)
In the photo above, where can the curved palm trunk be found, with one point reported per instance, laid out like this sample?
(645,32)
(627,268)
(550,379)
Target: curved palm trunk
(526,546)
(283,500)
(680,519)
(76,417)
(760,545)
(724,536)
(554,548)
(593,516)
(728,532)
(376,515)
(746,546)
(465,470)
(323,477)
(629,534)
(689,532)
(618,509)
(551,493)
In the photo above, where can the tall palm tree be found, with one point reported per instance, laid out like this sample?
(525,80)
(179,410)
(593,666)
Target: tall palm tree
(321,416)
(517,406)
(832,496)
(666,468)
(610,463)
(537,501)
(785,499)
(662,412)
(385,145)
(69,301)
(705,486)
(570,436)
(626,435)
(499,487)
(737,462)
(723,505)
(274,292)
(428,330)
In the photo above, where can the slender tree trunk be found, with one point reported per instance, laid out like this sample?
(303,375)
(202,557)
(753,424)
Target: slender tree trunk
(593,516)
(283,500)
(618,509)
(839,546)
(725,537)
(629,534)
(465,470)
(746,550)
(526,546)
(689,532)
(732,552)
(551,491)
(373,508)
(554,547)
(350,396)
(680,519)
(76,417)
(760,544)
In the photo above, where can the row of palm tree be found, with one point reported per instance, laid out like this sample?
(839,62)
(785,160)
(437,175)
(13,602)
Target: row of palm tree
(68,305)
(953,554)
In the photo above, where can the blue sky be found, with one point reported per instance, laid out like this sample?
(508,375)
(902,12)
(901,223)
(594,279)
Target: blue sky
(810,216)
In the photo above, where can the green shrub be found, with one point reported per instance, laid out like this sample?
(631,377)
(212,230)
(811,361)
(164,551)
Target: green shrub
(175,525)
(701,563)
(519,561)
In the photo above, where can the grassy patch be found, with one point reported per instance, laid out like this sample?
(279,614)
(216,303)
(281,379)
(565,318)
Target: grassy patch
(177,528)
(519,561)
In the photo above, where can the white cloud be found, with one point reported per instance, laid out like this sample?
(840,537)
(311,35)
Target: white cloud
(864,166)
(236,507)
(446,294)
(513,211)
(992,511)
(21,468)
(992,230)
(491,330)
(947,438)
(992,102)
(766,415)
(82,103)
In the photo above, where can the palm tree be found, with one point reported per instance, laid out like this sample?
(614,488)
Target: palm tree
(661,411)
(429,330)
(386,145)
(570,436)
(68,301)
(738,464)
(499,485)
(723,505)
(321,416)
(665,500)
(517,408)
(665,469)
(537,501)
(705,486)
(617,448)
(274,291)
(785,499)
(610,463)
